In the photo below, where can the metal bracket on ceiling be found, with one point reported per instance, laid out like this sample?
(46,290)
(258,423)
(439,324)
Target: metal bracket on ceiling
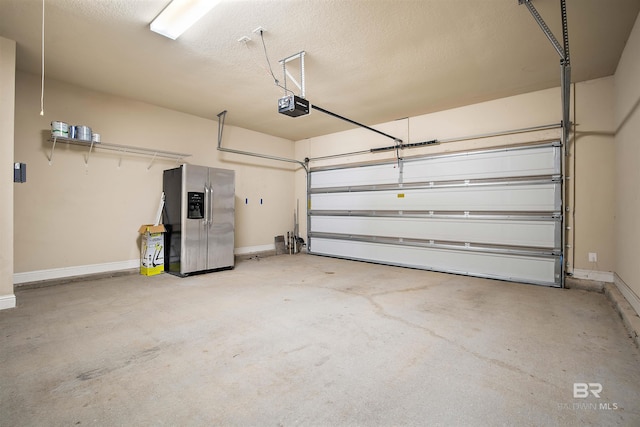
(283,62)
(221,116)
(563,51)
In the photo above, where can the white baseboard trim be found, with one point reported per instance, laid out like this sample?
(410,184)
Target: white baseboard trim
(80,270)
(599,276)
(628,293)
(83,270)
(253,249)
(7,301)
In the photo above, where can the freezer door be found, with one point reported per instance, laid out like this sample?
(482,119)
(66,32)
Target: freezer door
(172,218)
(221,213)
(194,221)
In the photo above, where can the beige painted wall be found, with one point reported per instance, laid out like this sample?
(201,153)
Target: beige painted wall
(627,142)
(7,88)
(593,202)
(594,153)
(70,214)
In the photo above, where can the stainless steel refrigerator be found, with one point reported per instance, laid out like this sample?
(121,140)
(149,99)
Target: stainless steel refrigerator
(199,219)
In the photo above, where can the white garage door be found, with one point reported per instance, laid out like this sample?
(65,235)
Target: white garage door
(488,213)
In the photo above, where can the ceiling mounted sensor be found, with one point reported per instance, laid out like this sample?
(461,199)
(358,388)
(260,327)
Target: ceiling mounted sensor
(180,15)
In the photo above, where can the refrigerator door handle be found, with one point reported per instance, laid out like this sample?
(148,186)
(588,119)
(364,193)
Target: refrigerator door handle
(210,205)
(205,221)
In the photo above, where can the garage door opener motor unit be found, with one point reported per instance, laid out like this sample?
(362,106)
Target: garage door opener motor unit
(293,105)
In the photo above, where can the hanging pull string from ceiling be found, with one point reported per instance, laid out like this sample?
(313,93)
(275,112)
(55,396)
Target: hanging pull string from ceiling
(276,81)
(42,83)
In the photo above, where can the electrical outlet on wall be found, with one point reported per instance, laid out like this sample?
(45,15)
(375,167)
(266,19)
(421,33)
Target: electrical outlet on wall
(593,257)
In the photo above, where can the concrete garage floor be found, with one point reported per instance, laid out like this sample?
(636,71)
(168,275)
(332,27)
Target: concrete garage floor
(307,340)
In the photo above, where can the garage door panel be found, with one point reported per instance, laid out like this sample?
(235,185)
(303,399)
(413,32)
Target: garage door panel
(516,162)
(501,164)
(529,269)
(534,197)
(531,233)
(364,175)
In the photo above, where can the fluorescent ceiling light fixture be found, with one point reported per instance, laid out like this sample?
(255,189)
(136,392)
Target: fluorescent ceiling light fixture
(180,15)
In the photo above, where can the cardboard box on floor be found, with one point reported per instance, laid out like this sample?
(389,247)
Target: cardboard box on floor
(152,249)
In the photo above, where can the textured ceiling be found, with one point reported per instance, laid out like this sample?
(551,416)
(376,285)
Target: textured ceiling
(369,60)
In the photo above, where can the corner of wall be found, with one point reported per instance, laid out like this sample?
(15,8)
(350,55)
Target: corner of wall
(627,151)
(631,297)
(7,123)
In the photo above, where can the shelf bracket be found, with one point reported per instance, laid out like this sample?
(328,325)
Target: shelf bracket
(152,160)
(53,147)
(86,159)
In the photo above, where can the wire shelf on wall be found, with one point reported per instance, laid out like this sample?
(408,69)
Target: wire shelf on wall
(122,149)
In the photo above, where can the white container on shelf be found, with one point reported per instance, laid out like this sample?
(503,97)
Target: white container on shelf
(60,129)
